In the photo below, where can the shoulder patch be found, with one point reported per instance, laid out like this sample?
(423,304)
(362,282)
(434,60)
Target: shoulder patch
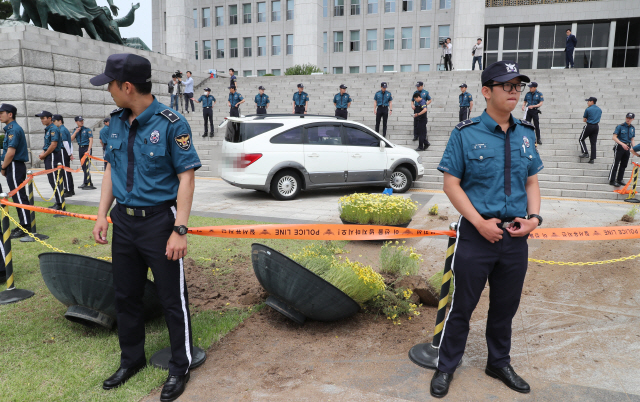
(527,123)
(170,114)
(117,110)
(465,123)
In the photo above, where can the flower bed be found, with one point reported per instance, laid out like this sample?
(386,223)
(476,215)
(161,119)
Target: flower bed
(377,209)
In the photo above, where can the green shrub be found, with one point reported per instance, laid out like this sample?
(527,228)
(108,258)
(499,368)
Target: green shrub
(394,304)
(398,259)
(436,282)
(302,69)
(377,209)
(268,75)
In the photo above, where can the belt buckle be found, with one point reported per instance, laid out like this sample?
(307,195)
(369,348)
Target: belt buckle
(131,211)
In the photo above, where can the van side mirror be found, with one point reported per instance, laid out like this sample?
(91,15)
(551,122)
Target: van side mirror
(382,146)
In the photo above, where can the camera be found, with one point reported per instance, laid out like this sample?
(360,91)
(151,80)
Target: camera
(178,74)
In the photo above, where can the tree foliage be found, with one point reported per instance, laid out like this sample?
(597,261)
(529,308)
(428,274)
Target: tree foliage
(5,9)
(302,69)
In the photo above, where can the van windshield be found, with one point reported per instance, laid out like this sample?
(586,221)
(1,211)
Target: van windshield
(242,131)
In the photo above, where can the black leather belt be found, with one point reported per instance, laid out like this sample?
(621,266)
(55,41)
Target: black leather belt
(341,108)
(382,106)
(206,107)
(145,211)
(262,107)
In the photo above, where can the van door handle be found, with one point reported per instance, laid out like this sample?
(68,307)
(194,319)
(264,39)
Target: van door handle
(356,156)
(313,155)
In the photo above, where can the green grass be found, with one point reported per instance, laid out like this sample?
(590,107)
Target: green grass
(44,357)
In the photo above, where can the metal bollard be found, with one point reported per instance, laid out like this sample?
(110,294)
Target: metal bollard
(60,190)
(29,239)
(426,354)
(87,164)
(634,183)
(12,294)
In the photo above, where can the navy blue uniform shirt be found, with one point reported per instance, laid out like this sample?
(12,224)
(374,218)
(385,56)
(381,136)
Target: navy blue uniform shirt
(475,154)
(533,98)
(234,98)
(83,136)
(625,132)
(104,135)
(342,101)
(383,99)
(51,134)
(424,94)
(465,99)
(14,138)
(592,114)
(65,135)
(261,100)
(207,101)
(419,105)
(147,156)
(300,98)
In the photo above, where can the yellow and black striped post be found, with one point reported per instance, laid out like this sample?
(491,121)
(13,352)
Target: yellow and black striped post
(634,183)
(29,239)
(426,354)
(60,190)
(87,169)
(12,294)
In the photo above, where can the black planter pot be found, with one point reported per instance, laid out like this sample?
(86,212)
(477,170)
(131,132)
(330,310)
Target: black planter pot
(85,286)
(404,225)
(297,292)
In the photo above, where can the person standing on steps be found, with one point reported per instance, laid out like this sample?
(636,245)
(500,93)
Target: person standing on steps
(466,103)
(208,102)
(382,107)
(300,101)
(424,94)
(569,47)
(342,102)
(476,52)
(262,101)
(67,155)
(420,120)
(84,137)
(188,93)
(51,154)
(233,80)
(234,101)
(447,48)
(623,136)
(591,116)
(490,168)
(175,91)
(533,100)
(104,136)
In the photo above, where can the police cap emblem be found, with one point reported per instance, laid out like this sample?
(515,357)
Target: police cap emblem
(184,141)
(511,68)
(154,137)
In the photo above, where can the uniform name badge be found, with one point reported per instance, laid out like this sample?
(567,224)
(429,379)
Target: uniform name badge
(526,142)
(154,137)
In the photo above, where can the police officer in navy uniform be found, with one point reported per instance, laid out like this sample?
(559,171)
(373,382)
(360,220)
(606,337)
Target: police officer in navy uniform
(382,107)
(14,156)
(300,101)
(262,101)
(104,136)
(466,103)
(342,102)
(420,121)
(490,168)
(51,154)
(591,116)
(234,101)
(84,136)
(424,94)
(208,101)
(533,100)
(150,174)
(67,155)
(623,136)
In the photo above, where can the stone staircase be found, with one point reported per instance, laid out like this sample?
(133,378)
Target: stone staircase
(565,175)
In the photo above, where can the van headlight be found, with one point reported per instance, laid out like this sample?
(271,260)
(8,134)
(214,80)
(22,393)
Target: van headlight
(420,159)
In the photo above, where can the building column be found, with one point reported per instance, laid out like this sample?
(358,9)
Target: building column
(612,37)
(468,26)
(536,44)
(307,32)
(177,34)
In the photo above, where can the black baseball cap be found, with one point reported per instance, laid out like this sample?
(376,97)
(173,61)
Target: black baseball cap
(106,120)
(44,113)
(207,89)
(300,86)
(342,86)
(78,118)
(232,87)
(5,107)
(629,115)
(419,84)
(383,85)
(533,84)
(463,86)
(260,87)
(124,67)
(592,99)
(503,71)
(56,117)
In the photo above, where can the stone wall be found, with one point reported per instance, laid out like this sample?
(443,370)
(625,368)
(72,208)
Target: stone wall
(46,70)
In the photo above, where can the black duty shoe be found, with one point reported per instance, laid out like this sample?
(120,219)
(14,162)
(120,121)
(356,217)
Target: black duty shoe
(57,207)
(17,233)
(440,383)
(428,145)
(509,377)
(205,135)
(620,184)
(83,185)
(174,387)
(539,142)
(592,161)
(121,376)
(415,139)
(613,183)
(585,155)
(53,206)
(419,149)
(211,135)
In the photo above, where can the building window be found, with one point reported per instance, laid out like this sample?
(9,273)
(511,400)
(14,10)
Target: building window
(372,6)
(325,8)
(290,6)
(206,49)
(261,73)
(443,34)
(355,7)
(354,45)
(372,40)
(246,44)
(233,15)
(424,67)
(338,8)
(425,5)
(262,12)
(405,68)
(445,4)
(196,50)
(425,37)
(407,38)
(626,45)
(407,5)
(275,11)
(195,17)
(276,72)
(219,16)
(324,42)
(325,70)
(371,69)
(354,70)
(337,70)
(219,48)
(389,34)
(337,41)
(246,13)
(389,6)
(233,47)
(275,45)
(246,73)
(289,44)
(387,68)
(262,46)
(206,17)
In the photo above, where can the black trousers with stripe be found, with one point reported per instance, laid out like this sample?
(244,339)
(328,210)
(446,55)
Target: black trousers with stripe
(50,162)
(138,243)
(464,113)
(532,115)
(475,261)
(298,109)
(16,174)
(68,177)
(589,131)
(342,113)
(620,161)
(207,114)
(382,113)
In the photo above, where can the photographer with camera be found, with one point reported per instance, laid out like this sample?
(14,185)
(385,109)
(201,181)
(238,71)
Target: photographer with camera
(446,54)
(175,90)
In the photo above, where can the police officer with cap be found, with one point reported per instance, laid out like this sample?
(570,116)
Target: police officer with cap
(623,136)
(234,101)
(208,101)
(84,136)
(104,136)
(14,156)
(342,101)
(51,153)
(67,154)
(466,103)
(382,107)
(300,101)
(591,116)
(424,94)
(262,101)
(532,102)
(150,173)
(490,168)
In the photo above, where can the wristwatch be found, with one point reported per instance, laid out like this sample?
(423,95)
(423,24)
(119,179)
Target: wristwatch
(536,216)
(181,230)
